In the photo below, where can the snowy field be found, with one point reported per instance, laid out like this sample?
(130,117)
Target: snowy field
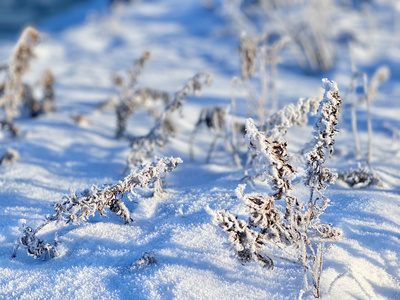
(189,256)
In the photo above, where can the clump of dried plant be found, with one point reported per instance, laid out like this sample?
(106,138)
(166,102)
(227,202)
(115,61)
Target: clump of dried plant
(77,207)
(291,232)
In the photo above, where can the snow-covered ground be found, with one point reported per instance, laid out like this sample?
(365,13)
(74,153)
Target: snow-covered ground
(98,259)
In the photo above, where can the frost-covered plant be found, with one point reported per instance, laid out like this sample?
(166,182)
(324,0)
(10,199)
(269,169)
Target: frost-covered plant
(307,23)
(47,83)
(22,54)
(257,53)
(34,246)
(278,124)
(146,260)
(143,147)
(77,207)
(130,99)
(360,178)
(125,83)
(47,103)
(291,232)
(247,242)
(276,127)
(324,131)
(11,156)
(213,118)
(273,158)
(145,97)
(368,95)
(248,51)
(269,57)
(11,127)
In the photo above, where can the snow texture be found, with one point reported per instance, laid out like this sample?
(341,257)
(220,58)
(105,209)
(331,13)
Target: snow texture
(172,250)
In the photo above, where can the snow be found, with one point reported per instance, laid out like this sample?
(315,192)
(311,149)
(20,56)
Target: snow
(193,259)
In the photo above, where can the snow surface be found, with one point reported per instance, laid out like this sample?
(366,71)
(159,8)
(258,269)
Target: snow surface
(193,258)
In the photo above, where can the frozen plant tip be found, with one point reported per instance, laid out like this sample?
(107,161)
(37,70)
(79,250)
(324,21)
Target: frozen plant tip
(77,207)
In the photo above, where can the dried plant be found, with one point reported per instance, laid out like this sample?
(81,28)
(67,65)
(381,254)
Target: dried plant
(125,83)
(48,102)
(306,23)
(77,207)
(146,260)
(11,156)
(276,127)
(278,124)
(29,101)
(146,98)
(248,51)
(213,118)
(23,53)
(11,127)
(130,98)
(35,247)
(297,235)
(143,147)
(324,131)
(369,94)
(133,73)
(360,178)
(381,75)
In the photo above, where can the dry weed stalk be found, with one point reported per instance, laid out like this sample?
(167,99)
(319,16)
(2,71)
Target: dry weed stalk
(48,103)
(145,97)
(47,83)
(11,127)
(369,94)
(23,53)
(125,83)
(77,207)
(143,147)
(297,235)
(307,23)
(360,178)
(248,51)
(11,156)
(213,118)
